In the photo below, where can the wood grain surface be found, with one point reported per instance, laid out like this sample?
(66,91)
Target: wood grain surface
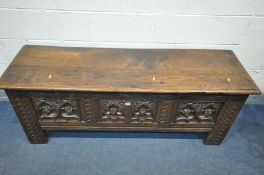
(127,70)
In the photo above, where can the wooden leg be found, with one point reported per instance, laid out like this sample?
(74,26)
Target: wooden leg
(225,119)
(28,119)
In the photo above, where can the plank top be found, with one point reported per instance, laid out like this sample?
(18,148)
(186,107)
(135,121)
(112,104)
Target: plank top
(127,70)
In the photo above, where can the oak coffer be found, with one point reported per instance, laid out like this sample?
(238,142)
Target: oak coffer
(101,89)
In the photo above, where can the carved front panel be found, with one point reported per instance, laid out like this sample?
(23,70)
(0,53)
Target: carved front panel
(159,110)
(143,112)
(196,112)
(56,109)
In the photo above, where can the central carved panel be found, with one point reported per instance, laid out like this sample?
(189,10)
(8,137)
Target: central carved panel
(129,109)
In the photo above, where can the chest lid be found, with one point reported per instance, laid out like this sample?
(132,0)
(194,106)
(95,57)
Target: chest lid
(127,70)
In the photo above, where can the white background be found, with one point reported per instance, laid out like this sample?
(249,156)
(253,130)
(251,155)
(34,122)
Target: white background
(209,24)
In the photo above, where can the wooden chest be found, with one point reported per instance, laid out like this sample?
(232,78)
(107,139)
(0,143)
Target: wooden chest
(93,89)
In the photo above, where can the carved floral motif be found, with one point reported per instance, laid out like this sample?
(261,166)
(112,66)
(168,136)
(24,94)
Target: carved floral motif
(112,110)
(197,112)
(60,109)
(143,112)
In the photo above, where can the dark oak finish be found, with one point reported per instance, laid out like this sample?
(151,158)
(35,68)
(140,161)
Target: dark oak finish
(92,89)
